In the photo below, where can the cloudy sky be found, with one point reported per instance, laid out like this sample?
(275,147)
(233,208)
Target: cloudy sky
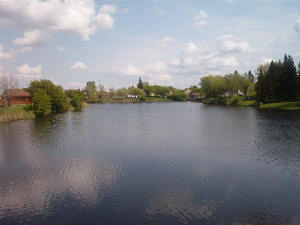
(165,42)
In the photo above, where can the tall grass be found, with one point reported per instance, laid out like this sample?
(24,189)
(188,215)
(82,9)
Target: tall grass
(16,112)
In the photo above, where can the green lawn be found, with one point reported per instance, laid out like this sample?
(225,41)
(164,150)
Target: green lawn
(16,112)
(282,106)
(247,103)
(157,99)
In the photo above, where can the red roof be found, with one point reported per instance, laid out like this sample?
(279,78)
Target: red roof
(16,93)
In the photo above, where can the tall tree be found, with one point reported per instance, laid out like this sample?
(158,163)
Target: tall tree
(140,83)
(91,91)
(289,79)
(259,86)
(251,76)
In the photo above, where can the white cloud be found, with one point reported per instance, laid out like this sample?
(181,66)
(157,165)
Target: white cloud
(26,49)
(164,42)
(61,48)
(78,65)
(175,62)
(266,60)
(5,55)
(200,19)
(32,38)
(76,16)
(190,48)
(131,70)
(26,71)
(154,73)
(228,43)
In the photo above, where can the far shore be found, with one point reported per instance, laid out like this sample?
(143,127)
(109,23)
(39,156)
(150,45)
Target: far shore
(236,101)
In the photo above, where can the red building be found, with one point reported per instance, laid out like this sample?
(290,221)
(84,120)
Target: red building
(15,97)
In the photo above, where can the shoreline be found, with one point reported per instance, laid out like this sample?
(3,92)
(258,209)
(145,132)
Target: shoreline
(237,102)
(22,112)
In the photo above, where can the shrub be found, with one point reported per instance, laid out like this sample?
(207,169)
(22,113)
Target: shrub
(41,103)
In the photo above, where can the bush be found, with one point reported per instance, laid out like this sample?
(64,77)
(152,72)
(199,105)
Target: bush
(142,98)
(234,100)
(41,103)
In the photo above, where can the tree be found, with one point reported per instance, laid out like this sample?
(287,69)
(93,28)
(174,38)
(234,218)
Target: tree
(91,91)
(101,90)
(77,98)
(213,86)
(259,86)
(135,91)
(140,84)
(289,81)
(59,100)
(41,102)
(179,95)
(251,77)
(8,82)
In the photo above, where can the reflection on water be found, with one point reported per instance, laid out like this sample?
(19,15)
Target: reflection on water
(172,163)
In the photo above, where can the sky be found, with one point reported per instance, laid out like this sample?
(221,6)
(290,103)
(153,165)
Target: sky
(114,42)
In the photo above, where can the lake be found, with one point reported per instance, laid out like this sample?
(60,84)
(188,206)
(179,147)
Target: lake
(152,163)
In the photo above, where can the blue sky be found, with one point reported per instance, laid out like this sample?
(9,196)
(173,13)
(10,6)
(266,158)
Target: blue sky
(165,42)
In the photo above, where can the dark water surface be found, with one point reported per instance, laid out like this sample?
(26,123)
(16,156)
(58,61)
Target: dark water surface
(144,164)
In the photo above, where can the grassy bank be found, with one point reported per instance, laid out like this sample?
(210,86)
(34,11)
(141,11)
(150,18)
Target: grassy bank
(16,112)
(282,106)
(239,101)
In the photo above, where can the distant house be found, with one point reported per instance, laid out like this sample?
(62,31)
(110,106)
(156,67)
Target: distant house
(15,97)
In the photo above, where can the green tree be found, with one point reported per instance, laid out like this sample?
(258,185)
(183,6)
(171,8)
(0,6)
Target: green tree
(140,84)
(179,95)
(91,92)
(289,79)
(41,102)
(76,97)
(251,77)
(59,100)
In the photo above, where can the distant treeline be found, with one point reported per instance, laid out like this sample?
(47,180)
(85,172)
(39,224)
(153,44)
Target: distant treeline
(274,82)
(51,98)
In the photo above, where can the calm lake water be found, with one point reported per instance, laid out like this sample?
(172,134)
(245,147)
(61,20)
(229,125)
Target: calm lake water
(158,163)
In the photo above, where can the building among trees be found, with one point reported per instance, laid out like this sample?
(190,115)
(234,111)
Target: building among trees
(15,97)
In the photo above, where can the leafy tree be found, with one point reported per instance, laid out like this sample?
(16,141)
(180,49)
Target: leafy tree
(135,91)
(213,86)
(91,92)
(122,92)
(140,83)
(178,96)
(41,102)
(148,89)
(59,100)
(77,98)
